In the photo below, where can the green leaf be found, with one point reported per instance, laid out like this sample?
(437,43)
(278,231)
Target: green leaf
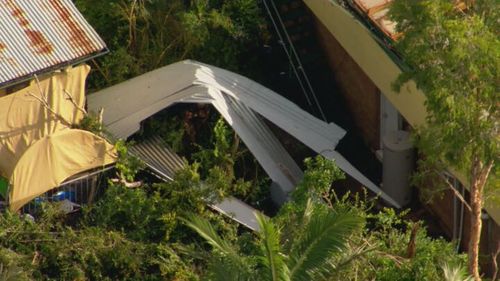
(272,257)
(325,236)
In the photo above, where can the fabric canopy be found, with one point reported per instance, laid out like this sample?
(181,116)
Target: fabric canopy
(38,148)
(29,115)
(54,158)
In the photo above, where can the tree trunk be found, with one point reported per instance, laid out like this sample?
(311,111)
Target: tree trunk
(480,173)
(475,233)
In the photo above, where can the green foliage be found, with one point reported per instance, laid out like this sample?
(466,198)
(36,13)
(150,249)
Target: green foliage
(381,251)
(317,181)
(150,213)
(224,152)
(313,235)
(171,130)
(455,273)
(324,237)
(226,263)
(127,165)
(223,32)
(123,237)
(314,187)
(454,58)
(136,234)
(431,253)
(376,249)
(224,164)
(143,35)
(131,211)
(91,123)
(272,258)
(10,270)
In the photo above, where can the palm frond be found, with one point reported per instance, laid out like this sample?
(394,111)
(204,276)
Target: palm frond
(308,212)
(325,235)
(455,273)
(206,230)
(223,269)
(230,265)
(334,266)
(272,257)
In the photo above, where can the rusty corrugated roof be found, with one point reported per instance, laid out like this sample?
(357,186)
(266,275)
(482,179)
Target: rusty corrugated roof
(41,35)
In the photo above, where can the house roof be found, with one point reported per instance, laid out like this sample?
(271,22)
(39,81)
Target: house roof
(38,36)
(376,11)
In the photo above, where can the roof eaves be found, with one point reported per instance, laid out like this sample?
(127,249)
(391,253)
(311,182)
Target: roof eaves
(51,69)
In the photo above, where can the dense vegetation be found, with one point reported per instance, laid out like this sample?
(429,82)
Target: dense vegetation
(454,56)
(165,231)
(144,234)
(143,35)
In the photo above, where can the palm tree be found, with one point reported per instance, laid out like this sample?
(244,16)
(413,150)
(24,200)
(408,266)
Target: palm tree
(455,273)
(310,254)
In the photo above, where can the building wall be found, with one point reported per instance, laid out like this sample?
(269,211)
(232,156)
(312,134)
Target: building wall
(363,99)
(360,93)
(380,68)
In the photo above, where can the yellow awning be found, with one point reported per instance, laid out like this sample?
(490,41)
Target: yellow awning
(25,116)
(54,158)
(38,148)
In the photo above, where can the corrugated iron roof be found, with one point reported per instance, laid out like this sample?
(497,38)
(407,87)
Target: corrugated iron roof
(158,157)
(41,35)
(164,163)
(242,103)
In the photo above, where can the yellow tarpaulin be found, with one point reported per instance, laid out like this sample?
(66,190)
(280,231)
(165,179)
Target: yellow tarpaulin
(51,160)
(38,148)
(28,115)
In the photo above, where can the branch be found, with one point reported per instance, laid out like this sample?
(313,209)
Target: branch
(483,175)
(70,98)
(412,246)
(47,106)
(42,93)
(126,183)
(494,257)
(99,69)
(43,101)
(455,191)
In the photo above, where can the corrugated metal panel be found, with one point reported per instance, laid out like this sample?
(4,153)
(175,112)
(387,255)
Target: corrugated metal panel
(39,35)
(263,144)
(240,101)
(158,157)
(238,211)
(165,163)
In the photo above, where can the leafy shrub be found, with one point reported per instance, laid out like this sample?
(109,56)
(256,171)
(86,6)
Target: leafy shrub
(127,165)
(131,211)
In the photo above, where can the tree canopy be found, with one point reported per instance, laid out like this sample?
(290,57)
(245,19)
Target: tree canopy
(452,49)
(143,35)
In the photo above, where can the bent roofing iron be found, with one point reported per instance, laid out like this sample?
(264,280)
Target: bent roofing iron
(242,102)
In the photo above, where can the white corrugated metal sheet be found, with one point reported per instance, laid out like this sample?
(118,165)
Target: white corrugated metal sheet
(40,35)
(158,157)
(241,102)
(165,163)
